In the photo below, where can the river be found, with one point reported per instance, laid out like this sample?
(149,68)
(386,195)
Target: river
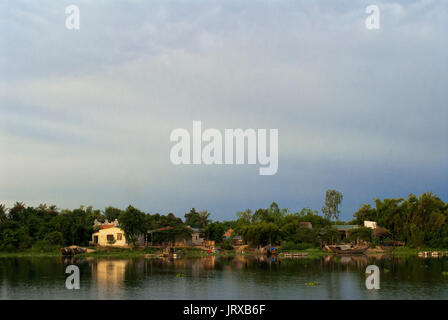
(249,277)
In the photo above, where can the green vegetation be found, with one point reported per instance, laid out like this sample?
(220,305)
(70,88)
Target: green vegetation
(419,222)
(333,199)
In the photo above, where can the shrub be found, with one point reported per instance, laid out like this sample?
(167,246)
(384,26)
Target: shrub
(289,245)
(227,245)
(54,238)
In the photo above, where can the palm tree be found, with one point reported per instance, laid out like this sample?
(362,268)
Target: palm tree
(204,218)
(14,212)
(3,216)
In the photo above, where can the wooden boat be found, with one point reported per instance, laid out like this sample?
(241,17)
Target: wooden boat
(348,249)
(72,250)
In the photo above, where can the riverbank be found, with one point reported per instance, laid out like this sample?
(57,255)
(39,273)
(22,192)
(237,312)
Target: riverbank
(124,253)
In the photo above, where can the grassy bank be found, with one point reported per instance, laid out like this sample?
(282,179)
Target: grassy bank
(312,252)
(32,252)
(124,253)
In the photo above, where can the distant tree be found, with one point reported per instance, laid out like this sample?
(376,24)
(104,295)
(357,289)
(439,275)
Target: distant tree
(15,212)
(215,231)
(54,238)
(361,233)
(333,199)
(328,235)
(112,213)
(204,218)
(3,217)
(244,216)
(132,222)
(365,212)
(193,219)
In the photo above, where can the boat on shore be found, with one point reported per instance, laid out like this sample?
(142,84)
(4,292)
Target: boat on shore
(348,249)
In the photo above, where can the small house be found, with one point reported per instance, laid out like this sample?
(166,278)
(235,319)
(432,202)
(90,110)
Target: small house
(306,224)
(111,235)
(370,224)
(230,235)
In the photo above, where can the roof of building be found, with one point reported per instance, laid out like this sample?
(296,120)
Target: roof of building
(161,229)
(343,227)
(228,233)
(107,226)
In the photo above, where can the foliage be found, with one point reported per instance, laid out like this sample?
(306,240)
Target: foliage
(291,246)
(54,238)
(215,231)
(193,218)
(132,222)
(418,221)
(333,199)
(361,233)
(227,245)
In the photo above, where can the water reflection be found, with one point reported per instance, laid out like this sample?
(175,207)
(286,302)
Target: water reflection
(239,277)
(109,273)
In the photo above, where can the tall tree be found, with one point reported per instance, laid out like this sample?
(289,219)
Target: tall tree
(333,199)
(112,213)
(133,223)
(193,219)
(204,218)
(16,210)
(3,216)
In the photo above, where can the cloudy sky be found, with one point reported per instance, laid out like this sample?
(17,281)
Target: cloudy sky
(86,115)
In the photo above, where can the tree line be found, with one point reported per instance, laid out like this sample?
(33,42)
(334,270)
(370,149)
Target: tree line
(417,221)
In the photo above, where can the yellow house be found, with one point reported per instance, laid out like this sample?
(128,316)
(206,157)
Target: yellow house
(111,235)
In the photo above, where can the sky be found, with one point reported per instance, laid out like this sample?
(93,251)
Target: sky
(86,115)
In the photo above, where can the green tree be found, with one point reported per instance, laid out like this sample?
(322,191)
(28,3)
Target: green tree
(204,218)
(132,222)
(3,217)
(193,219)
(54,238)
(215,231)
(333,199)
(15,211)
(365,212)
(112,213)
(361,233)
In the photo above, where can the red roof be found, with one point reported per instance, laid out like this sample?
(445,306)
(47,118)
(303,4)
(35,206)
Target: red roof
(161,229)
(107,226)
(228,233)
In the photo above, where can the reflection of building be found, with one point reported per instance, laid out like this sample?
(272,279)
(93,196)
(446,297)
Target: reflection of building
(110,234)
(109,273)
